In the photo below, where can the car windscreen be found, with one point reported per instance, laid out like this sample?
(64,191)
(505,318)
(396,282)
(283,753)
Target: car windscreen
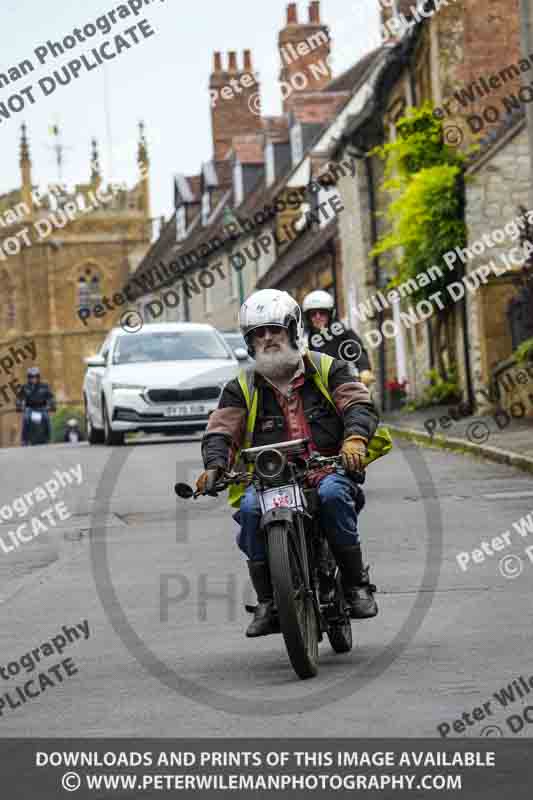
(234,340)
(173,346)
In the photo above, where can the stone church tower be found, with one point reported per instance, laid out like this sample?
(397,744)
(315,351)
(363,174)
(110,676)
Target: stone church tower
(62,250)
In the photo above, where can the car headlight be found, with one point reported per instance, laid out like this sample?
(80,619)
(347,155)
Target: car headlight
(127,387)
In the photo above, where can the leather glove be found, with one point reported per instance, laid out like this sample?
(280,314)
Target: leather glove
(353,452)
(367,377)
(207,479)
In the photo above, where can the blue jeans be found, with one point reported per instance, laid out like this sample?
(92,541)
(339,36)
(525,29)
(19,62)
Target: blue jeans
(340,501)
(26,423)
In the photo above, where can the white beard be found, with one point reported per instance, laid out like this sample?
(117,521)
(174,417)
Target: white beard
(278,364)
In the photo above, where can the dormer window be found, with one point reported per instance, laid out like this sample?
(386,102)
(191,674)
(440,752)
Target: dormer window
(181,223)
(297,144)
(270,164)
(206,207)
(238,184)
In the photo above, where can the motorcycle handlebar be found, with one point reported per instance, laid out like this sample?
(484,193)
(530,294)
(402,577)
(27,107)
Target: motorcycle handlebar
(246,477)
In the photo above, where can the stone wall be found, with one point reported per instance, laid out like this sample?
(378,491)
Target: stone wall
(45,280)
(515,389)
(496,187)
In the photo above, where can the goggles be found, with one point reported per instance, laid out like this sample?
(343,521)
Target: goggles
(274,330)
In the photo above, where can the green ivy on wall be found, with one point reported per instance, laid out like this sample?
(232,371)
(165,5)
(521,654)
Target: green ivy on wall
(425,178)
(524,353)
(423,175)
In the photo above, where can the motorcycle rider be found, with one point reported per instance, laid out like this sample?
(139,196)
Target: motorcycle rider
(326,335)
(72,433)
(34,396)
(290,406)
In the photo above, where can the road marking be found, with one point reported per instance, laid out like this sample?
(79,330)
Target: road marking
(508,496)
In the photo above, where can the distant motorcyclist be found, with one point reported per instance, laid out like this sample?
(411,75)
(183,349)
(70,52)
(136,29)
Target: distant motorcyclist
(34,396)
(328,335)
(291,406)
(73,433)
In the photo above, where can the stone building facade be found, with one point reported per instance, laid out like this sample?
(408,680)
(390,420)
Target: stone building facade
(465,60)
(505,163)
(459,49)
(81,247)
(254,162)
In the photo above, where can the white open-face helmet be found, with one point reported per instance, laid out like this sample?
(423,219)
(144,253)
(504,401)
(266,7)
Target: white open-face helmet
(318,301)
(272,307)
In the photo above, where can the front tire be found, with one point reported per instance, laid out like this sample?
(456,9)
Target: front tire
(111,437)
(296,611)
(94,435)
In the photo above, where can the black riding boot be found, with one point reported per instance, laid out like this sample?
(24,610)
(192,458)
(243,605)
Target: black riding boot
(358,591)
(265,618)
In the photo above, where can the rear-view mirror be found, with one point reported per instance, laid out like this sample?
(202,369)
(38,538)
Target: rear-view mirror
(241,354)
(95,361)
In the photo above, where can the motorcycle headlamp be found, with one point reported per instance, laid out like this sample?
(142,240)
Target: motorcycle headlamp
(270,464)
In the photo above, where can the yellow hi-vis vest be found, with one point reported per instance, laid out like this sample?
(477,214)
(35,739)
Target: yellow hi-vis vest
(379,445)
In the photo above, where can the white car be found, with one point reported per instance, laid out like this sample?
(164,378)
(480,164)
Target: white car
(166,378)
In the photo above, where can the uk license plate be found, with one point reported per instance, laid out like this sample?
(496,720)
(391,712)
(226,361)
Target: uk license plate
(281,497)
(184,411)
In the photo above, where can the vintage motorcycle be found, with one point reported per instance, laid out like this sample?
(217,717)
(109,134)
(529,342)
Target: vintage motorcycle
(38,431)
(307,585)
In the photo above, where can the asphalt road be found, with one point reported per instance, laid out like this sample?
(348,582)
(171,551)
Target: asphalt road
(162,586)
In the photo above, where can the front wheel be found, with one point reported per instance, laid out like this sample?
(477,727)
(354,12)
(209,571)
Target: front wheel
(297,617)
(111,438)
(94,436)
(38,432)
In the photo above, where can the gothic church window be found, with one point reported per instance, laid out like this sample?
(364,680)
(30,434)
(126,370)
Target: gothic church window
(89,289)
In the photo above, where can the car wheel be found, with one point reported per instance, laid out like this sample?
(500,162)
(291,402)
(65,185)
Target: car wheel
(111,437)
(94,435)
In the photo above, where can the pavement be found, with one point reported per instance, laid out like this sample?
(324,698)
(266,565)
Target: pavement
(497,437)
(161,586)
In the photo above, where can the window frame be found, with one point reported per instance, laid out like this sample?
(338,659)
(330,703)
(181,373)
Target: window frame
(206,207)
(297,143)
(181,224)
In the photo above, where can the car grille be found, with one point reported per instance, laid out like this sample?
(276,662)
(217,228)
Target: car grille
(183,395)
(130,415)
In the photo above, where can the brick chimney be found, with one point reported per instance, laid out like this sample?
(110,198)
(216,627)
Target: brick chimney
(235,103)
(314,12)
(304,51)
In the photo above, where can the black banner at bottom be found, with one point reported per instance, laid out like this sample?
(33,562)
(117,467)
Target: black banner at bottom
(294,768)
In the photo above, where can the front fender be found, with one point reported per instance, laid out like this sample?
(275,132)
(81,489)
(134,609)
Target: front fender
(276,515)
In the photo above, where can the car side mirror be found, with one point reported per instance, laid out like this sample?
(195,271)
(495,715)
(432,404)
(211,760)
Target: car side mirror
(241,354)
(95,361)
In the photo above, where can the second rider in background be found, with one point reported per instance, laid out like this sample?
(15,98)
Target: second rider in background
(327,335)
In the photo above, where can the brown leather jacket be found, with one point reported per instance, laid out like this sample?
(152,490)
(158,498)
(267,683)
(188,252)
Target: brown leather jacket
(355,414)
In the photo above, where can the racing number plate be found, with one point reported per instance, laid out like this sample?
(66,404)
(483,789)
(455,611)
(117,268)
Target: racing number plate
(281,497)
(184,411)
